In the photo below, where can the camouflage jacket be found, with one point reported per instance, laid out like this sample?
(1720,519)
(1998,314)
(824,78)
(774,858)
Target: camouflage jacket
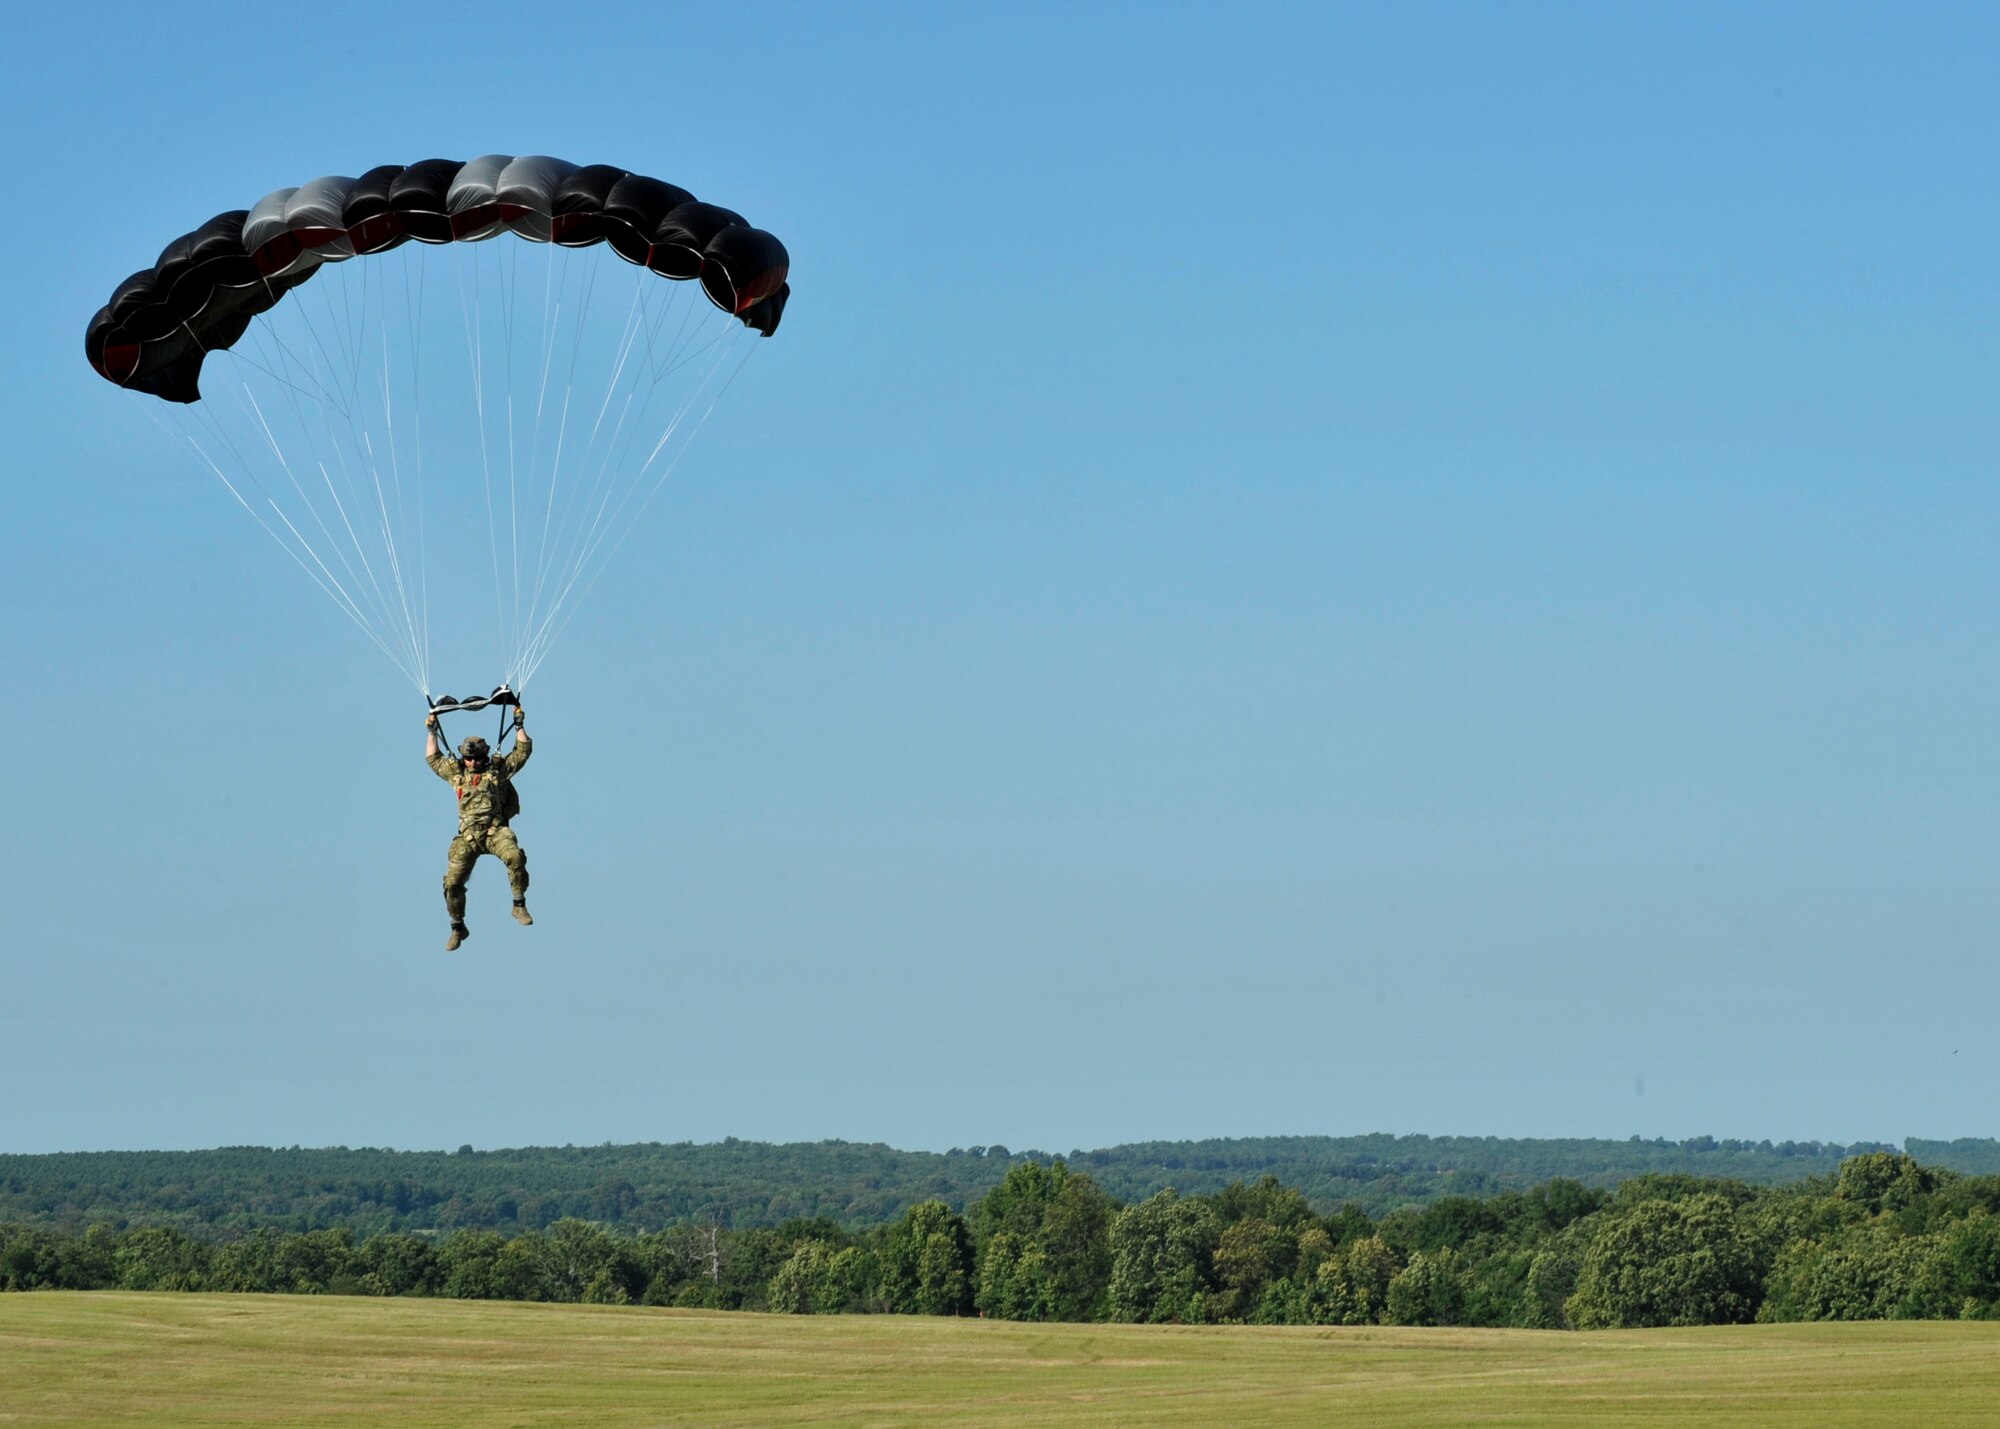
(486,798)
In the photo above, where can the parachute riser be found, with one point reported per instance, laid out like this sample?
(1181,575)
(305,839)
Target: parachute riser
(502,698)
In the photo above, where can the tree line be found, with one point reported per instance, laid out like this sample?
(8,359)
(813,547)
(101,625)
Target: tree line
(745,1184)
(1885,1237)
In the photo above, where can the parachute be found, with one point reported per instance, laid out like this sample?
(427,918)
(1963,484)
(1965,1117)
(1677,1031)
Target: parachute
(367,413)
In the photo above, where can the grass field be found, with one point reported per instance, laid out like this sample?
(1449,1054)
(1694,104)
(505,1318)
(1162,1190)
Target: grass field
(105,1358)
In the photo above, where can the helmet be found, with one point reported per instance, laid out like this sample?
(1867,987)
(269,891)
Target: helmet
(474,750)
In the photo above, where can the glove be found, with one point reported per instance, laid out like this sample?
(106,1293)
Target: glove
(431,720)
(520,717)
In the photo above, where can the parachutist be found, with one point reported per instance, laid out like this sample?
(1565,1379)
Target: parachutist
(486,803)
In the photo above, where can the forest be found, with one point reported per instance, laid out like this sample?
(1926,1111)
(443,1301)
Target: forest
(743,1185)
(1883,1236)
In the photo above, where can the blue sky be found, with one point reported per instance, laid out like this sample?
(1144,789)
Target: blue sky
(1292,569)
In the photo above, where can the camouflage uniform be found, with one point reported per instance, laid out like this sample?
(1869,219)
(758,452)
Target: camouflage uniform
(485,802)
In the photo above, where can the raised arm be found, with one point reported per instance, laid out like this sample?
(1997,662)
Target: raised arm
(442,764)
(523,746)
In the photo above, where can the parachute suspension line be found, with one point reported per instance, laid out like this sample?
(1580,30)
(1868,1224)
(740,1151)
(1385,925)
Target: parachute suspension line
(413,611)
(543,545)
(551,527)
(634,318)
(322,578)
(507,265)
(389,526)
(240,355)
(396,481)
(305,427)
(475,341)
(356,437)
(414,314)
(631,327)
(681,337)
(547,640)
(551,313)
(357,328)
(332,385)
(634,325)
(383,610)
(335,590)
(549,635)
(614,458)
(549,530)
(304,314)
(327,399)
(507,283)
(548,336)
(611,517)
(263,425)
(552,306)
(614,452)
(366,447)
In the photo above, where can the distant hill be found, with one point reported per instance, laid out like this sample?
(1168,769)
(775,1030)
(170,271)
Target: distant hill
(1976,1156)
(747,1183)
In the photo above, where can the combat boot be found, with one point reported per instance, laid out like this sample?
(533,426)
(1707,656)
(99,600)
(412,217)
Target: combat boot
(521,915)
(459,933)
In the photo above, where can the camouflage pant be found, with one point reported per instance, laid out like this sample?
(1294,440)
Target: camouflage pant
(465,851)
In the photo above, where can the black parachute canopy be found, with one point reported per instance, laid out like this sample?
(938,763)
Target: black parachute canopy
(206,286)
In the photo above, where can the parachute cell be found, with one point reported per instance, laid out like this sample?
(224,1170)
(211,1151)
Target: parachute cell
(162,323)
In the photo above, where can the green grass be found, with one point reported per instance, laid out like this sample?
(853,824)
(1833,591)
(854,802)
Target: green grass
(105,1358)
